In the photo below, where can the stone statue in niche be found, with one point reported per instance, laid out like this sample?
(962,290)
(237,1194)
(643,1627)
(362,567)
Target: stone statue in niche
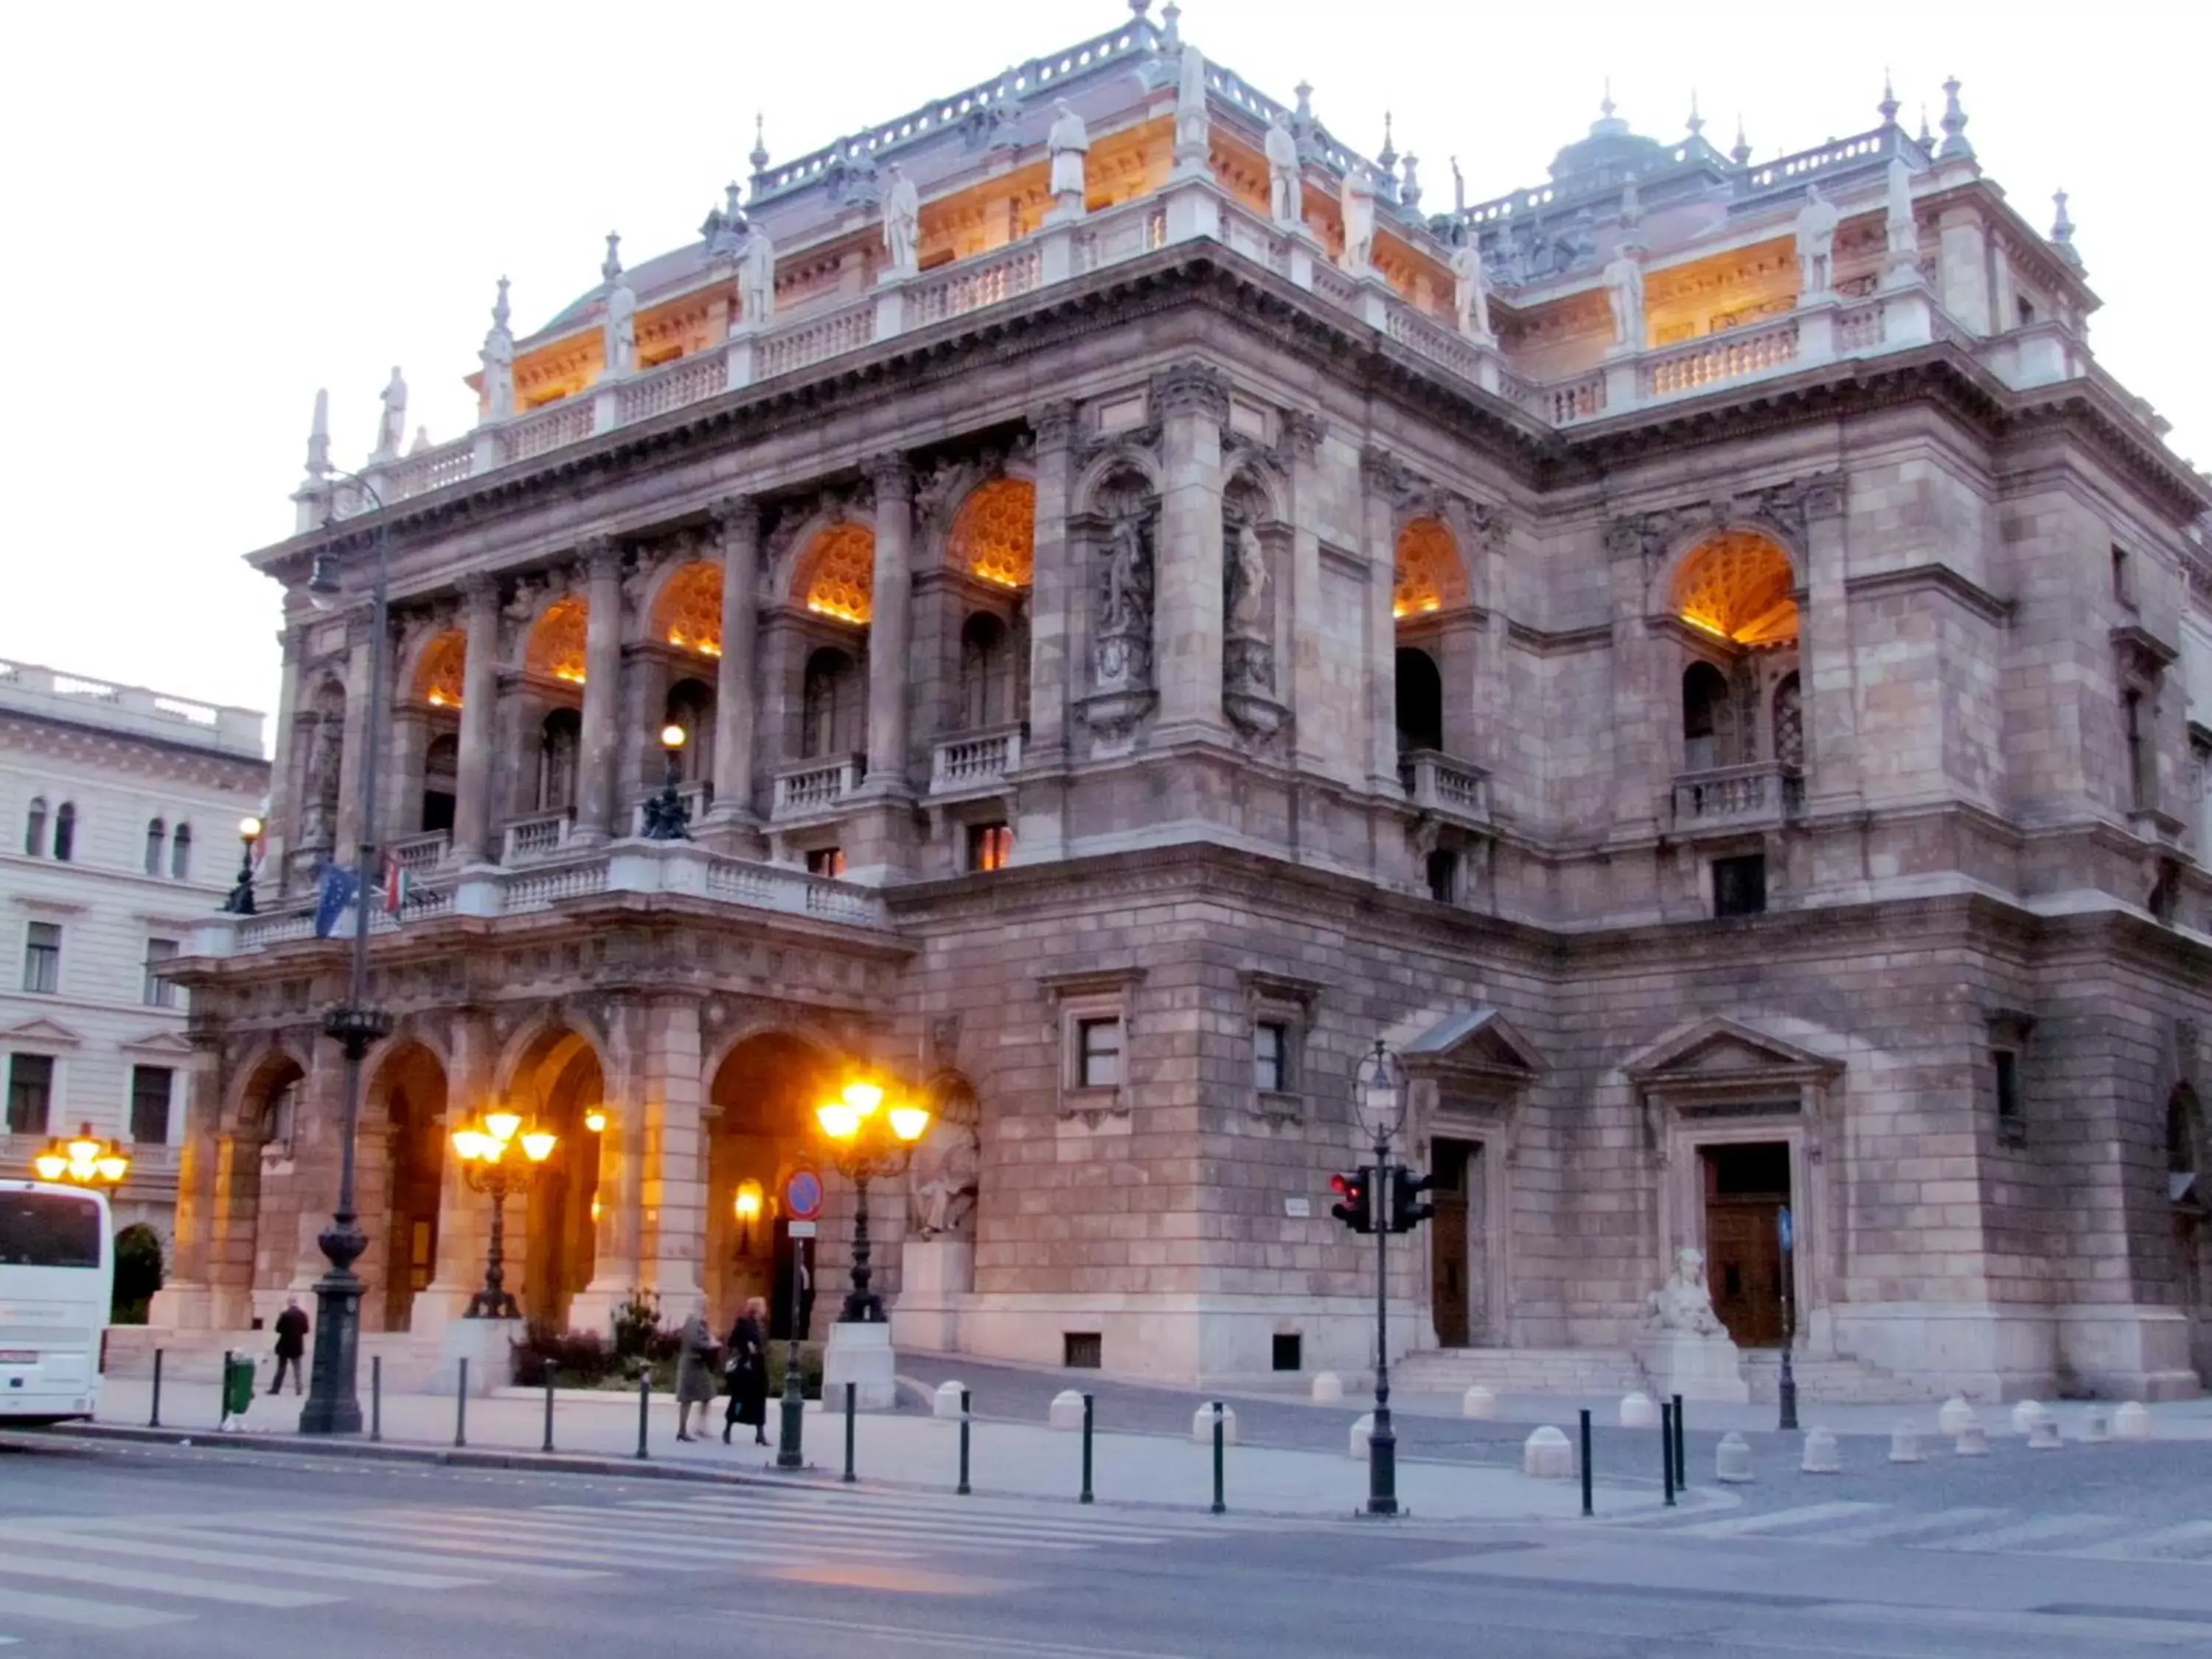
(1816,246)
(1125,604)
(1624,291)
(1286,190)
(1248,645)
(902,222)
(1070,144)
(318,801)
(756,276)
(945,1182)
(1684,1303)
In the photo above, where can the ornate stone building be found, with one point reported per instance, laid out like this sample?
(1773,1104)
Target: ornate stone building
(1695,654)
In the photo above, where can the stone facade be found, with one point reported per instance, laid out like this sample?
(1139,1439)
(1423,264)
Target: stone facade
(1729,731)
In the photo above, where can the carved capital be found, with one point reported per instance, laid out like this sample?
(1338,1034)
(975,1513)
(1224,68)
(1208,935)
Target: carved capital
(1192,388)
(360,627)
(1381,474)
(735,514)
(480,589)
(601,558)
(1303,432)
(1493,526)
(1053,424)
(891,476)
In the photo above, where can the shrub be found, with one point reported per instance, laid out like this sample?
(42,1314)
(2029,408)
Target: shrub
(138,1273)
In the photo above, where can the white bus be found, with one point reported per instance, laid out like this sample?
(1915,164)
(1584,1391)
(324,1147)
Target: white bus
(57,1278)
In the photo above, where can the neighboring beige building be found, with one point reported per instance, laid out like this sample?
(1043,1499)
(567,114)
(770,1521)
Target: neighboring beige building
(118,832)
(1708,667)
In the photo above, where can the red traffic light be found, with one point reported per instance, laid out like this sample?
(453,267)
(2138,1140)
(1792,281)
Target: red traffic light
(1355,1204)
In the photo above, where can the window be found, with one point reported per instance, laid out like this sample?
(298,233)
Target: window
(986,672)
(825,861)
(2139,756)
(1271,1057)
(30,1094)
(180,853)
(2011,1118)
(990,846)
(1443,876)
(65,832)
(1420,701)
(157,837)
(42,958)
(49,1230)
(1098,1054)
(441,767)
(2124,577)
(2024,309)
(1708,719)
(159,993)
(560,739)
(830,711)
(150,1104)
(1740,885)
(34,828)
(1289,1351)
(1081,1350)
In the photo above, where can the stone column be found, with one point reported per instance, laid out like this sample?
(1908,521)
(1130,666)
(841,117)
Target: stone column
(603,627)
(361,667)
(1056,588)
(474,790)
(737,519)
(1646,698)
(1191,401)
(463,1218)
(890,625)
(673,1212)
(1302,438)
(184,1301)
(1379,478)
(279,831)
(317,1119)
(1827,676)
(617,1237)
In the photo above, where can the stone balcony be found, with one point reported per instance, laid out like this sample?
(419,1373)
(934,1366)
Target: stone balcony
(974,762)
(418,855)
(1450,788)
(537,835)
(815,787)
(1762,795)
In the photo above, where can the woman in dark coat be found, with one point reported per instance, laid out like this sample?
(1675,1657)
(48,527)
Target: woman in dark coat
(694,1374)
(748,1373)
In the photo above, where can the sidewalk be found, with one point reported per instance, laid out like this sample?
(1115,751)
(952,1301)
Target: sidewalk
(1017,1460)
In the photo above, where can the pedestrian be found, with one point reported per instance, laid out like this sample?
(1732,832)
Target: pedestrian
(291,1344)
(746,1372)
(695,1372)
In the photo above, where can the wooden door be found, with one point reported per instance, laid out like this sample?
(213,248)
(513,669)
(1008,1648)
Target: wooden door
(1743,1267)
(1450,1258)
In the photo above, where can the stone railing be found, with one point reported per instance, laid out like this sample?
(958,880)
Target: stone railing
(540,836)
(1120,233)
(1860,328)
(1453,788)
(419,855)
(541,890)
(985,281)
(696,799)
(430,469)
(1765,791)
(816,785)
(1447,348)
(806,343)
(1566,402)
(672,386)
(1717,357)
(974,761)
(779,887)
(553,427)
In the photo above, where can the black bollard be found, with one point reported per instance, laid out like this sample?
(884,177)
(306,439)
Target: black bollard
(153,1420)
(1682,1468)
(1086,1499)
(461,1408)
(644,1411)
(376,1396)
(961,1491)
(1588,1509)
(852,1398)
(549,1408)
(1667,1448)
(222,1390)
(1220,1507)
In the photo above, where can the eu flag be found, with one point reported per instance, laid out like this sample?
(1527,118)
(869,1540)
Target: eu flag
(334,905)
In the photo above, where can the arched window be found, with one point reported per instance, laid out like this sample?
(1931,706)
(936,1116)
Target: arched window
(157,837)
(986,672)
(1789,723)
(560,740)
(65,832)
(180,853)
(830,705)
(441,767)
(1708,718)
(692,706)
(1420,701)
(34,828)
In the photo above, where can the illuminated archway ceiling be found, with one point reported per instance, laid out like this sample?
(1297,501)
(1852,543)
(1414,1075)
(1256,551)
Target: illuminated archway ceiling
(1738,586)
(1429,576)
(438,676)
(995,536)
(838,575)
(557,644)
(689,616)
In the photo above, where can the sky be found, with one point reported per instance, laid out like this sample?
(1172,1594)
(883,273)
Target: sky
(218,207)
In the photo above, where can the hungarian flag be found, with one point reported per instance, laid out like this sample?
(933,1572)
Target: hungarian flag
(396,882)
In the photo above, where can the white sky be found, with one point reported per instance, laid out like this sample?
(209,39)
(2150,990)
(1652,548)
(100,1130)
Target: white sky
(217,208)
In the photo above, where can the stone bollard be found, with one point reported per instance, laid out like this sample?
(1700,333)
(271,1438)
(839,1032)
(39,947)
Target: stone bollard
(1732,1462)
(1821,1457)
(2043,1433)
(1066,1411)
(1905,1448)
(2132,1422)
(1973,1441)
(1362,1426)
(1328,1389)
(2096,1427)
(1201,1425)
(1951,1420)
(2024,1415)
(1477,1402)
(947,1400)
(1546,1456)
(1637,1412)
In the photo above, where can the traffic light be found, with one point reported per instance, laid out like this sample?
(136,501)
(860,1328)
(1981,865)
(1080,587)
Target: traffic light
(1355,1200)
(1408,1209)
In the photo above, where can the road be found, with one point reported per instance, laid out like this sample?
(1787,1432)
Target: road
(152,1551)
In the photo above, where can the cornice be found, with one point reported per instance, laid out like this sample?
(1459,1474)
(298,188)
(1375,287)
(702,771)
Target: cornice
(1940,578)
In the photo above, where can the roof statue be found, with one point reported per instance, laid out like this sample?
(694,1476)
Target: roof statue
(1816,244)
(1356,201)
(498,359)
(620,328)
(902,222)
(1286,194)
(1192,143)
(1624,292)
(756,276)
(392,424)
(1068,144)
(1900,237)
(1470,289)
(1409,191)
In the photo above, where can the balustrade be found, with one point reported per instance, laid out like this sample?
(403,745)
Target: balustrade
(1437,783)
(1717,357)
(419,855)
(1765,791)
(998,277)
(537,837)
(687,380)
(816,785)
(974,761)
(809,342)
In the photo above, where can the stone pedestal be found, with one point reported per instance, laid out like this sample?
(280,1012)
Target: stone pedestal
(936,1276)
(861,1355)
(485,1344)
(1703,1368)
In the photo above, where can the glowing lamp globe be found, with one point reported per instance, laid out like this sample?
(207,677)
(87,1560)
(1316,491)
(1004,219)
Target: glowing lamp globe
(503,1126)
(537,1145)
(909,1124)
(839,1120)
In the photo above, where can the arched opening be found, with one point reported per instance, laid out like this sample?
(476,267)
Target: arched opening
(1790,722)
(560,743)
(832,704)
(34,828)
(1738,586)
(986,672)
(556,643)
(442,781)
(1420,701)
(180,853)
(439,675)
(245,1227)
(138,1273)
(157,843)
(1708,718)
(837,576)
(690,613)
(692,706)
(558,1080)
(410,1088)
(994,535)
(763,1094)
(1429,574)
(65,832)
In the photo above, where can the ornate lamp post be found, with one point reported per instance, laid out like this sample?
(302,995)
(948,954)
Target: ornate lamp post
(484,1149)
(867,1143)
(83,1160)
(1379,1095)
(665,814)
(240,901)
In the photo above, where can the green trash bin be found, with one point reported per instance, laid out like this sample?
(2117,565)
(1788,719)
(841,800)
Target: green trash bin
(237,1386)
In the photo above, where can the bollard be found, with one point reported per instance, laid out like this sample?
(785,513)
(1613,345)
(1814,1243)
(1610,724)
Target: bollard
(1086,1499)
(1951,1420)
(1681,1467)
(1219,1506)
(852,1397)
(644,1411)
(1589,1510)
(1904,1447)
(2096,1427)
(223,1393)
(1822,1455)
(961,1491)
(549,1408)
(1637,1410)
(1732,1460)
(1973,1441)
(1667,1448)
(376,1396)
(461,1408)
(153,1420)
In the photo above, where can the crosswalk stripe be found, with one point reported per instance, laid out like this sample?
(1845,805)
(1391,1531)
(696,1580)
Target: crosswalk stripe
(617,1526)
(2045,1529)
(69,1610)
(981,1520)
(158,1584)
(351,1550)
(1903,1526)
(982,1526)
(1776,1520)
(2150,1543)
(1063,1513)
(581,1546)
(262,1561)
(649,1546)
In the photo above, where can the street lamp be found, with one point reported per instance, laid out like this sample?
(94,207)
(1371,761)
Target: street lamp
(484,1149)
(333,1399)
(240,901)
(867,1143)
(745,1209)
(1379,1096)
(665,814)
(83,1160)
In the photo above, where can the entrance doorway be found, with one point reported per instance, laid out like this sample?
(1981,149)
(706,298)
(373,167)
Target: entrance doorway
(1459,1275)
(1746,1188)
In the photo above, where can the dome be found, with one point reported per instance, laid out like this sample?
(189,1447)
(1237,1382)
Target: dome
(1611,152)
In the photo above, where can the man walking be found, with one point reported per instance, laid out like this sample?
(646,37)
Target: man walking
(291,1344)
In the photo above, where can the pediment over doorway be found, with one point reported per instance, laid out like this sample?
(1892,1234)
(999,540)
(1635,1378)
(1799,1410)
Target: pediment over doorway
(41,1030)
(1479,1041)
(1723,1051)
